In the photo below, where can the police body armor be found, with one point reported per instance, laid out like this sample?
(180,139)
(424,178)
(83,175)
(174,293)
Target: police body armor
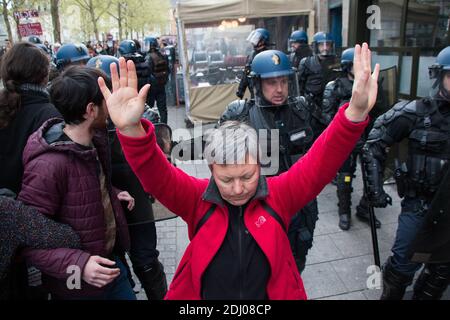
(142,70)
(160,68)
(292,121)
(428,150)
(315,73)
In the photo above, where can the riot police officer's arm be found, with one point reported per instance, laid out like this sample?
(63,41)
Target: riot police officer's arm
(243,84)
(302,73)
(389,128)
(330,103)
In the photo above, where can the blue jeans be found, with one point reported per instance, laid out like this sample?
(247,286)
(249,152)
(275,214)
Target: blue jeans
(120,288)
(410,222)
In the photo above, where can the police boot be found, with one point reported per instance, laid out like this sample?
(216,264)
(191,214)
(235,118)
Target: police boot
(153,280)
(394,283)
(362,212)
(344,194)
(432,282)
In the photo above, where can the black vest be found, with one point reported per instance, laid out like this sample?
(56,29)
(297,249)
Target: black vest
(318,74)
(160,68)
(295,133)
(429,148)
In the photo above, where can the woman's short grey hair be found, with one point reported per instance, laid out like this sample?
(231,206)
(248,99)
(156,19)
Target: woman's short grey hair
(233,142)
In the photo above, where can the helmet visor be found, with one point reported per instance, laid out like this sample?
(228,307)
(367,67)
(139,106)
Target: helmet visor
(254,37)
(325,48)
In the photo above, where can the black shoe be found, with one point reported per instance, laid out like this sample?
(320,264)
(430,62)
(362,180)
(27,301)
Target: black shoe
(363,215)
(153,280)
(394,283)
(432,282)
(344,221)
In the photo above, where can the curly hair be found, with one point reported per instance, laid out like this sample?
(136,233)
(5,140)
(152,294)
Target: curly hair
(23,63)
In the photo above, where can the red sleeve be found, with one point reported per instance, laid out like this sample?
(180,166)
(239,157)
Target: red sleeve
(293,189)
(176,190)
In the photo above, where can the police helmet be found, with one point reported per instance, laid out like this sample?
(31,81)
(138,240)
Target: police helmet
(71,53)
(273,64)
(347,59)
(43,48)
(258,35)
(299,36)
(103,63)
(320,39)
(127,48)
(439,69)
(34,39)
(151,42)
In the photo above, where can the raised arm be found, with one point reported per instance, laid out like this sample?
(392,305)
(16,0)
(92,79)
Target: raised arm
(176,190)
(310,174)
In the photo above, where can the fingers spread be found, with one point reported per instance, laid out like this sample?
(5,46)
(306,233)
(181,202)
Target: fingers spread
(376,72)
(103,88)
(144,91)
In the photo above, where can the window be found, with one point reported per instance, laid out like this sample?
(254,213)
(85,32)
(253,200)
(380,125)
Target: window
(427,24)
(391,16)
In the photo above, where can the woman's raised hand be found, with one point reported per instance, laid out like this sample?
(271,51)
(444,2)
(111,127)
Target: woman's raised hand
(125,104)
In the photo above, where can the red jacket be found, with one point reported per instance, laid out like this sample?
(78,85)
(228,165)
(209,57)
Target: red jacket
(189,198)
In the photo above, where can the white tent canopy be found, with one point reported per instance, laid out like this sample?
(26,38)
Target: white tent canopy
(207,104)
(191,11)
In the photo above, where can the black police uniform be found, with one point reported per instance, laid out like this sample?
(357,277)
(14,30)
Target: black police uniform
(245,81)
(425,123)
(301,52)
(159,69)
(336,94)
(313,75)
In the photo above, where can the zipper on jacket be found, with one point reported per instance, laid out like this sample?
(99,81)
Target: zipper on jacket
(241,273)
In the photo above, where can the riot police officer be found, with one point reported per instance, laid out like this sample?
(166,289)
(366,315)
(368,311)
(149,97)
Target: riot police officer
(71,54)
(260,40)
(277,105)
(129,51)
(425,123)
(337,93)
(298,43)
(143,253)
(315,72)
(159,70)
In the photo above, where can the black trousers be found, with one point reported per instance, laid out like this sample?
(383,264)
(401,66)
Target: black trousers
(158,94)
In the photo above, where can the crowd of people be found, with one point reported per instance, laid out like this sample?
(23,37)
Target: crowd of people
(85,149)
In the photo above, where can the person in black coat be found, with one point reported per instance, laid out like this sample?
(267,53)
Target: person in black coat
(24,107)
